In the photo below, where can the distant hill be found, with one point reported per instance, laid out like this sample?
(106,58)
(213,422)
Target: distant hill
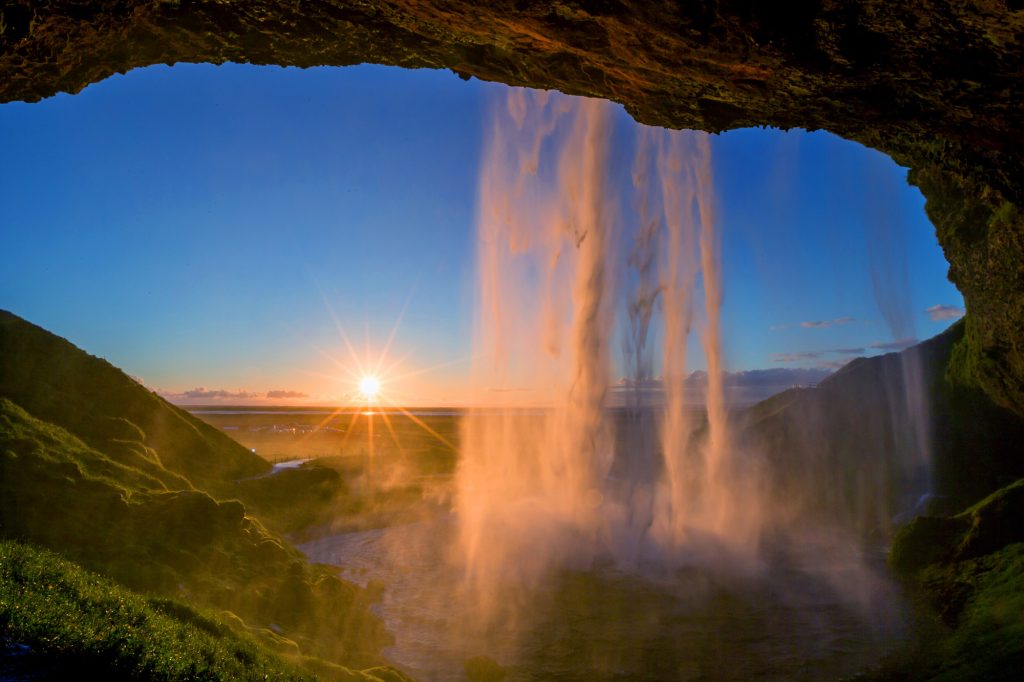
(859,444)
(742,389)
(57,382)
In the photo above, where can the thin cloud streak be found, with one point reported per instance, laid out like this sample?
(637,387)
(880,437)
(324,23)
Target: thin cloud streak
(802,356)
(941,312)
(286,394)
(819,324)
(797,357)
(217,394)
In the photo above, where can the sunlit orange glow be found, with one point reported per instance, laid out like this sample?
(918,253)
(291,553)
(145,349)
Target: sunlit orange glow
(369,387)
(375,383)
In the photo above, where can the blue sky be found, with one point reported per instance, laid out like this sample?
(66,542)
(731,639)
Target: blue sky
(198,226)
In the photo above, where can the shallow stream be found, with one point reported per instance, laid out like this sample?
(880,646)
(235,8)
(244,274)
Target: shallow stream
(788,622)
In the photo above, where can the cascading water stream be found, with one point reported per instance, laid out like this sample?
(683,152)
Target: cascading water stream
(554,487)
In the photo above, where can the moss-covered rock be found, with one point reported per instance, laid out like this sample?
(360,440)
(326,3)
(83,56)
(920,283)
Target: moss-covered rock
(924,541)
(970,569)
(995,522)
(982,236)
(981,529)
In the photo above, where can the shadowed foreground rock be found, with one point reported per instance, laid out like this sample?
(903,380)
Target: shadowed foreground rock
(937,84)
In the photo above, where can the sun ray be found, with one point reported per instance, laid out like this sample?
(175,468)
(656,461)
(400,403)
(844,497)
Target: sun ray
(369,376)
(394,436)
(394,330)
(330,357)
(320,426)
(344,337)
(424,370)
(387,371)
(423,425)
(370,452)
(348,433)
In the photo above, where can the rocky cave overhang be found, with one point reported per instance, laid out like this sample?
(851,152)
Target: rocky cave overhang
(936,84)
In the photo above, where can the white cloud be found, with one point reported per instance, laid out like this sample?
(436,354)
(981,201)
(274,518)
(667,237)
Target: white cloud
(944,312)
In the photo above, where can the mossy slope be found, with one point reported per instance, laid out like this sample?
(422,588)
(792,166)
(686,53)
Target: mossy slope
(78,625)
(59,383)
(90,482)
(970,569)
(58,492)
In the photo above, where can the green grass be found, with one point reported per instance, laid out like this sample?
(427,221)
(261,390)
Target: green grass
(82,623)
(124,524)
(113,477)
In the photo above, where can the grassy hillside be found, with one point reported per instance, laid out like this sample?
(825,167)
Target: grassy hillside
(58,492)
(78,624)
(69,623)
(128,486)
(59,383)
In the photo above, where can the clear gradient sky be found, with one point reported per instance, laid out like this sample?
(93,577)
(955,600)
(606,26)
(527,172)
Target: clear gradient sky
(203,227)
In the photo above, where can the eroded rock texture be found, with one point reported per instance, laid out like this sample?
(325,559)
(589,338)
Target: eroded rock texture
(937,84)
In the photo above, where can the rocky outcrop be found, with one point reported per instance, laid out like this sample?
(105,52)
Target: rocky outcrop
(937,84)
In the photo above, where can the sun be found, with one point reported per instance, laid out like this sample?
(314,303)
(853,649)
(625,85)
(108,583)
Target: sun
(369,387)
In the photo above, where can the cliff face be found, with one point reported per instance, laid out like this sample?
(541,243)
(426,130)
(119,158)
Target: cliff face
(937,84)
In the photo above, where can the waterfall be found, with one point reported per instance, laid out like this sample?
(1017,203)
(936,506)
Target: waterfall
(576,458)
(551,477)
